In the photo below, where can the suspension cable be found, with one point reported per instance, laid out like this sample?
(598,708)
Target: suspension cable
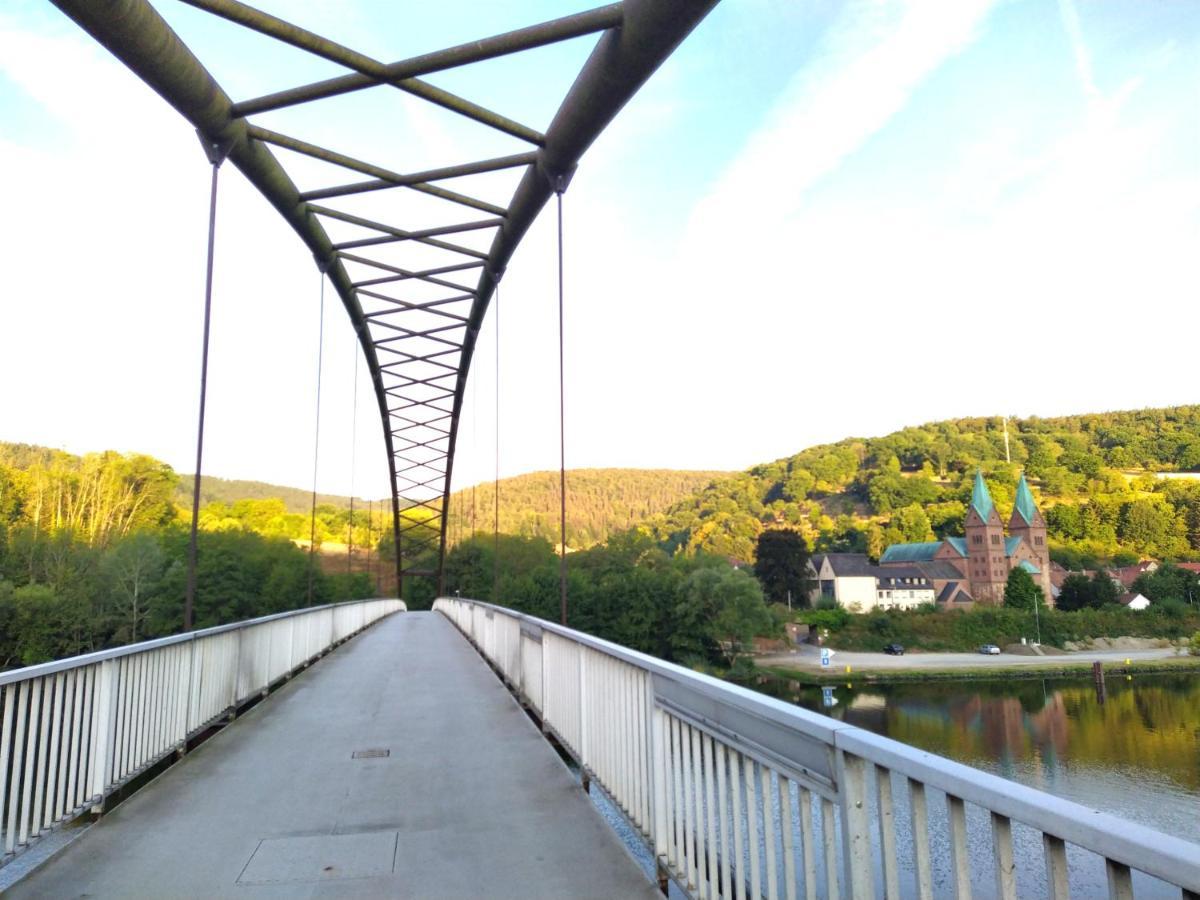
(353,456)
(474,446)
(496,483)
(562,427)
(312,537)
(216,155)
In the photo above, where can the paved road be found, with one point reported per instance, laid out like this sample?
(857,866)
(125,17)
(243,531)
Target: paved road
(808,658)
(470,802)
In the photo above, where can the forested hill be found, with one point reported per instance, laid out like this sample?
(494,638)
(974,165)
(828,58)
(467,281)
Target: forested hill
(224,490)
(600,502)
(1093,475)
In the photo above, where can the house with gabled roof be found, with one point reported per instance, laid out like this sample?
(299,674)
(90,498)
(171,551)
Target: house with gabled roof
(985,555)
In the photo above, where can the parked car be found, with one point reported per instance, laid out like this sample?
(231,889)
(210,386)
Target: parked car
(990,650)
(893,650)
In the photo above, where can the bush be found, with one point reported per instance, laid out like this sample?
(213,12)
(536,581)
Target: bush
(1194,646)
(965,630)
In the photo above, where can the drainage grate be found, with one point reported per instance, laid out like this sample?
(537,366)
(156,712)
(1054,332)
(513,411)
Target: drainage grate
(370,754)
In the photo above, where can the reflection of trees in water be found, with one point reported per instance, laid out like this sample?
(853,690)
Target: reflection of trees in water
(1151,723)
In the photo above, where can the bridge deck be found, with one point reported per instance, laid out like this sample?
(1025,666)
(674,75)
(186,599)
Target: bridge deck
(471,801)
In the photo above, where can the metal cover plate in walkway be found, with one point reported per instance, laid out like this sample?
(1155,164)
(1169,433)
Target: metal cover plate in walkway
(321,857)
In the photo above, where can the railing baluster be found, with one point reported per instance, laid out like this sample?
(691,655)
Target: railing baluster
(7,786)
(1057,886)
(727,857)
(922,872)
(768,808)
(678,816)
(735,796)
(887,834)
(31,749)
(752,827)
(47,813)
(787,825)
(829,836)
(82,729)
(960,863)
(64,744)
(1006,876)
(1120,881)
(696,772)
(710,817)
(809,847)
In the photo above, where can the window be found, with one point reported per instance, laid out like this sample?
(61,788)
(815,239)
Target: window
(996,540)
(1038,540)
(977,539)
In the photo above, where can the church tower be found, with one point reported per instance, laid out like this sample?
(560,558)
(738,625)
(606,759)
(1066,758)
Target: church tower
(986,557)
(1027,523)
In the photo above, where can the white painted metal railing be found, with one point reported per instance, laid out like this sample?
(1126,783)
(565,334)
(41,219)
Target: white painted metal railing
(75,730)
(742,795)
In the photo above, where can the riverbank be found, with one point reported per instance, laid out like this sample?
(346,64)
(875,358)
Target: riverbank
(901,669)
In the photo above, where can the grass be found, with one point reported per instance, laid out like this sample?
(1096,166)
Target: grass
(1048,670)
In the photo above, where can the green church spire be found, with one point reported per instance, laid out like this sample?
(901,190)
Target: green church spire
(981,500)
(1025,506)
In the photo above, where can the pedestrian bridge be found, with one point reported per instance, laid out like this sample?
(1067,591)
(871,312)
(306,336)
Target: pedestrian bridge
(360,750)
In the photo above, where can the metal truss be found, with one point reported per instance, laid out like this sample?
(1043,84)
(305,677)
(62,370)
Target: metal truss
(417,322)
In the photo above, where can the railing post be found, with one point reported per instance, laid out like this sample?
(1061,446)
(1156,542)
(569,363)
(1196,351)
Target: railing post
(103,727)
(656,731)
(856,826)
(584,757)
(237,675)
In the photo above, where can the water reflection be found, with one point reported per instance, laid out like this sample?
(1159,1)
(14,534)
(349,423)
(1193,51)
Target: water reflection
(1136,754)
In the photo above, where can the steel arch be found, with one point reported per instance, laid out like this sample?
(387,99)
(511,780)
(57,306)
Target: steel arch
(420,387)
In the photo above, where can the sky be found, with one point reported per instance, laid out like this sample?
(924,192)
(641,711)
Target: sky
(816,220)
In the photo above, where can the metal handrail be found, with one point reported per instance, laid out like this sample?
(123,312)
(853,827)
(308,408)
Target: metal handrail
(70,662)
(741,794)
(74,731)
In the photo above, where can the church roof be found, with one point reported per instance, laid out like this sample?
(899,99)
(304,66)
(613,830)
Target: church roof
(1010,544)
(1025,507)
(1030,567)
(959,544)
(903,553)
(981,500)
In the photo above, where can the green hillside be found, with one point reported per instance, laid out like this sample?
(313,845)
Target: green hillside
(1094,477)
(600,502)
(224,490)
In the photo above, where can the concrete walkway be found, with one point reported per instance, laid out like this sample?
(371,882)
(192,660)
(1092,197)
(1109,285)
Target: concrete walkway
(470,802)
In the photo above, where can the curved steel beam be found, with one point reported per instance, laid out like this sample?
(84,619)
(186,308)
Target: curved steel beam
(638,35)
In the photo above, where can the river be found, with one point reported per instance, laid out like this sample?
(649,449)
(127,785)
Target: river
(1136,754)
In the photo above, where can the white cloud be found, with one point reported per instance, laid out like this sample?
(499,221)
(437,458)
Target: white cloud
(871,62)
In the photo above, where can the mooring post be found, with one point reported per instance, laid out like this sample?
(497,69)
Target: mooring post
(1098,678)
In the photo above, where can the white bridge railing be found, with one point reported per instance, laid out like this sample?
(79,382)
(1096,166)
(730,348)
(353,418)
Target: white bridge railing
(74,731)
(741,795)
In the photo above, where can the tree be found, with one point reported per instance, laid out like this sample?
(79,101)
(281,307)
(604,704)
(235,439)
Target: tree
(134,566)
(1021,592)
(1075,593)
(781,566)
(913,524)
(1104,591)
(717,613)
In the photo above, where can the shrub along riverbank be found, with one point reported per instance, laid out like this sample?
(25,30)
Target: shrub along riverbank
(964,631)
(1060,667)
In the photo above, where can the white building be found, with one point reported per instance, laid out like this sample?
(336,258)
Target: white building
(855,584)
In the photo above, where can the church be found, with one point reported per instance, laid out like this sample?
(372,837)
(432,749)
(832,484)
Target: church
(985,555)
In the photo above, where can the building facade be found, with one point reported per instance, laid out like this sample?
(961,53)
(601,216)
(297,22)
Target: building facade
(984,555)
(851,581)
